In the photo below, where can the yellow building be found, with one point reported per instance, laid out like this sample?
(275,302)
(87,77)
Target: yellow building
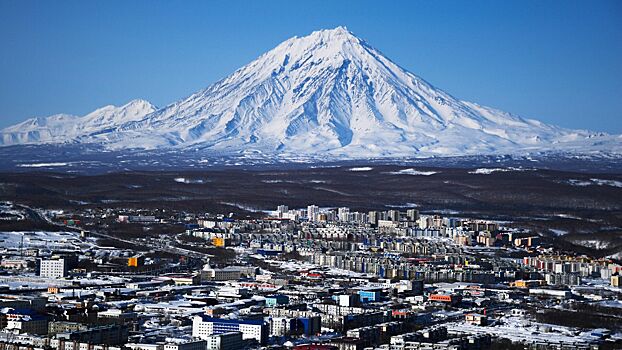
(219,242)
(615,281)
(525,283)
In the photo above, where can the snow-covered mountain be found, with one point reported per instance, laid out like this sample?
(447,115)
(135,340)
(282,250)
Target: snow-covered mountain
(62,128)
(326,93)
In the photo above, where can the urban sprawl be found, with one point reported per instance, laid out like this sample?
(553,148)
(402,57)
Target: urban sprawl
(305,279)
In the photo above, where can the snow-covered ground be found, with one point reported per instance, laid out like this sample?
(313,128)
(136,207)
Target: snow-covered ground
(593,243)
(595,182)
(518,329)
(611,303)
(603,182)
(29,281)
(488,171)
(42,165)
(296,266)
(40,239)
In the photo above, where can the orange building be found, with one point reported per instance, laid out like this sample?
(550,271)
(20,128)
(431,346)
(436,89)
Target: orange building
(444,298)
(135,261)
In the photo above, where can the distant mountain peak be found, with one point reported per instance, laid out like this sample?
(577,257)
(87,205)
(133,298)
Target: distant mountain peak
(64,128)
(340,33)
(327,93)
(139,102)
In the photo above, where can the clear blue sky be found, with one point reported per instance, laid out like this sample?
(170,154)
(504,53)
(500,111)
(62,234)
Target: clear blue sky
(557,61)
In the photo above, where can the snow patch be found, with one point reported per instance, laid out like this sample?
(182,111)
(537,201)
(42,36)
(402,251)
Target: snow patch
(602,182)
(558,232)
(611,303)
(593,243)
(42,165)
(487,171)
(412,171)
(582,183)
(406,205)
(364,168)
(185,180)
(595,182)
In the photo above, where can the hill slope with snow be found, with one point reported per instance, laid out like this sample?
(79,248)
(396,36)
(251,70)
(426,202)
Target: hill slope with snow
(326,93)
(64,128)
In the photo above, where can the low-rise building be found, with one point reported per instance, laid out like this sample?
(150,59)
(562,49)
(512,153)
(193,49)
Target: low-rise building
(204,326)
(476,319)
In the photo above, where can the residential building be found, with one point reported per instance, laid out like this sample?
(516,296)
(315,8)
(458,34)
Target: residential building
(204,326)
(52,268)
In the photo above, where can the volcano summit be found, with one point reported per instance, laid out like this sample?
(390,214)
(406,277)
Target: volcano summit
(329,93)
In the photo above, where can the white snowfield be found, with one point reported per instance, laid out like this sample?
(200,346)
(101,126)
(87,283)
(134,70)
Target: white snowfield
(329,93)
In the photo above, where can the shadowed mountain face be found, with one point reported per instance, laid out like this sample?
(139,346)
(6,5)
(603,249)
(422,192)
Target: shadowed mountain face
(328,93)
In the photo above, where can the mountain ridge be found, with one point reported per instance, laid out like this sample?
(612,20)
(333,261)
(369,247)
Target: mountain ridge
(63,128)
(331,93)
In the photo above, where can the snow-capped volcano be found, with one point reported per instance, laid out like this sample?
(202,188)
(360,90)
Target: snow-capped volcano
(326,93)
